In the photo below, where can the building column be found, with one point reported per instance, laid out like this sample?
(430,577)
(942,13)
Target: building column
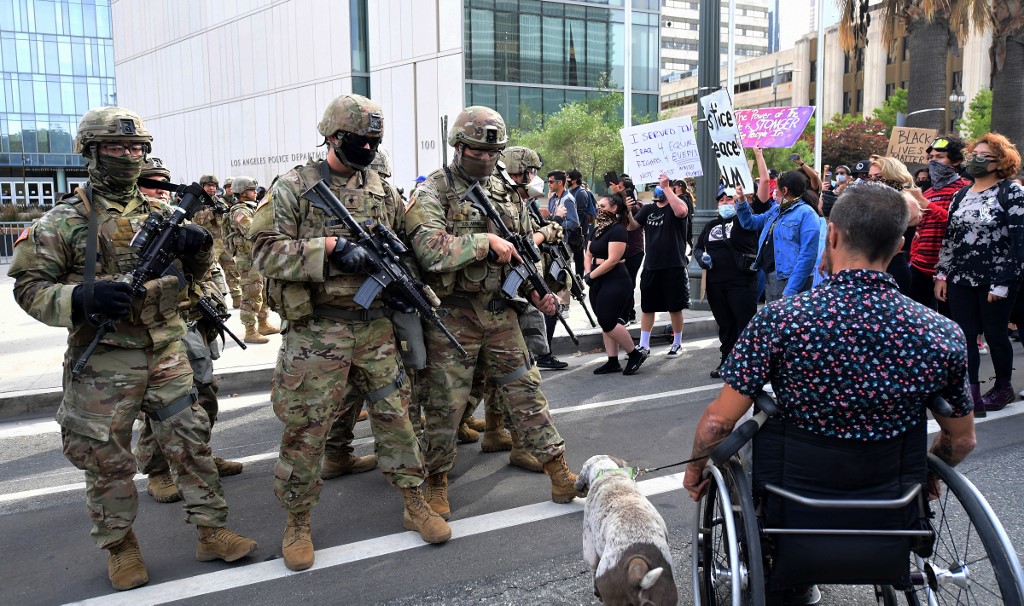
(977,67)
(874,67)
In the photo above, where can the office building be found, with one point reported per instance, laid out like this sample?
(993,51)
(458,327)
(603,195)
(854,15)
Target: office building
(56,61)
(242,85)
(679,28)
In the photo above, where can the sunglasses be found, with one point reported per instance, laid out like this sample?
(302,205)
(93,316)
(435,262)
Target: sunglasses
(361,141)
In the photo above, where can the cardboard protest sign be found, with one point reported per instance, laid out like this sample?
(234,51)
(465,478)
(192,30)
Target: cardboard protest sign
(908,145)
(668,145)
(725,138)
(773,126)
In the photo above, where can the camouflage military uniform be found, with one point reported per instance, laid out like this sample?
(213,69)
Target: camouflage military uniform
(456,264)
(330,341)
(214,224)
(140,366)
(238,243)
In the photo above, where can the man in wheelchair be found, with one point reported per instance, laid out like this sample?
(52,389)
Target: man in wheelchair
(853,364)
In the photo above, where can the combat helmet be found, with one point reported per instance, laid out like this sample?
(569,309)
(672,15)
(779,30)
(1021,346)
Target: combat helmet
(242,184)
(352,114)
(382,163)
(155,167)
(520,160)
(479,127)
(205,179)
(228,182)
(110,124)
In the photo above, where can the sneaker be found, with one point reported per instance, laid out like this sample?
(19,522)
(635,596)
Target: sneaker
(646,350)
(636,360)
(550,362)
(608,368)
(716,373)
(674,350)
(982,349)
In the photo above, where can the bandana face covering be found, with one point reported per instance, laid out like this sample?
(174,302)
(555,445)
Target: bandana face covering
(604,219)
(941,174)
(116,174)
(475,168)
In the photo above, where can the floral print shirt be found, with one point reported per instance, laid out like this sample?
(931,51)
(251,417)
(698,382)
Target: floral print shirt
(984,244)
(852,359)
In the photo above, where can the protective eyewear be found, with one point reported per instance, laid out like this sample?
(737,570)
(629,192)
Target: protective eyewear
(114,149)
(360,141)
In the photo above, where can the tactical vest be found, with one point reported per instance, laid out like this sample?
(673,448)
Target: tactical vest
(295,300)
(463,219)
(155,317)
(235,242)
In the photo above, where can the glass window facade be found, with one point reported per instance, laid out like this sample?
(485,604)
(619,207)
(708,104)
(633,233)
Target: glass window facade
(56,62)
(539,54)
(359,24)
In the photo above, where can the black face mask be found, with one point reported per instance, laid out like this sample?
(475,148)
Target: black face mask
(923,184)
(352,152)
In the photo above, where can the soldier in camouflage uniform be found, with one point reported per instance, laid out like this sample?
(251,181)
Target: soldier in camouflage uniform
(452,242)
(69,271)
(238,242)
(228,198)
(313,271)
(202,349)
(213,221)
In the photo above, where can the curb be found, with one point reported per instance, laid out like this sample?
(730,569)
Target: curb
(35,403)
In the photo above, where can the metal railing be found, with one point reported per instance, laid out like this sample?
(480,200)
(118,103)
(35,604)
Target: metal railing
(9,232)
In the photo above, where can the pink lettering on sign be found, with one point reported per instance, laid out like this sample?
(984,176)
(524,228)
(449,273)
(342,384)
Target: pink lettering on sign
(772,126)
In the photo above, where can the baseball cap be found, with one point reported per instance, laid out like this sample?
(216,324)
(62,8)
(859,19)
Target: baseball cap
(721,192)
(773,174)
(861,168)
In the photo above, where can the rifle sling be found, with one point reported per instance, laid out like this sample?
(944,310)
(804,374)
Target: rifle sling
(91,242)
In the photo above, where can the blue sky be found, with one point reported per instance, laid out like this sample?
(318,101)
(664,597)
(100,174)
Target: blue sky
(795,19)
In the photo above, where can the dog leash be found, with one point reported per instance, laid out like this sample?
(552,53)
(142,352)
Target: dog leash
(646,470)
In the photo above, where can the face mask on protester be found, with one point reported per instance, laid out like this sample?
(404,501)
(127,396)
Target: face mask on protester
(727,211)
(942,174)
(840,178)
(978,167)
(923,184)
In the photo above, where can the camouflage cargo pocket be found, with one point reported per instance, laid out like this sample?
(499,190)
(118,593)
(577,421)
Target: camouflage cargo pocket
(289,299)
(161,300)
(287,407)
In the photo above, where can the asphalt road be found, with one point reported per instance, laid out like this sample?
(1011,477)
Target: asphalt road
(510,544)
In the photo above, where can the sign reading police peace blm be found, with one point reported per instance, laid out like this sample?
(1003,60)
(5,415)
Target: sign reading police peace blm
(668,145)
(725,139)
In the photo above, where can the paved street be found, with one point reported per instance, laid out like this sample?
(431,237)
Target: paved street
(510,544)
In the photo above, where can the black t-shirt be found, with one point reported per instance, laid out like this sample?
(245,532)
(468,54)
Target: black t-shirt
(614,233)
(730,259)
(665,236)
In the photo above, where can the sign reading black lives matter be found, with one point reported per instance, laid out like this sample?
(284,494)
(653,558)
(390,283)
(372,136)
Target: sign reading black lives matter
(668,145)
(725,139)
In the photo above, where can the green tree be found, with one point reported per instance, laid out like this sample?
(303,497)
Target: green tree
(977,119)
(896,104)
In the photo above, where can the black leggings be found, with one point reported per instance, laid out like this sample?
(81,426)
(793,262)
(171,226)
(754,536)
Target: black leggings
(609,295)
(633,265)
(733,305)
(971,310)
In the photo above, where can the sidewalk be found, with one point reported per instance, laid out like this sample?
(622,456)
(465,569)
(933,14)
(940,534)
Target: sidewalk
(32,356)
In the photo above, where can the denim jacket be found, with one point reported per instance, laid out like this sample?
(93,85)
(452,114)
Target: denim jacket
(796,240)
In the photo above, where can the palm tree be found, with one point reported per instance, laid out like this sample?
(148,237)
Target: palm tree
(933,28)
(1007,54)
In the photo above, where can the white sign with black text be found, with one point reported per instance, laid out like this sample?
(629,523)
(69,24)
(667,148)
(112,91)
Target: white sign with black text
(725,139)
(667,146)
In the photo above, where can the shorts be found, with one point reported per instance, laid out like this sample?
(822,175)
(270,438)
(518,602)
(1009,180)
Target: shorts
(664,290)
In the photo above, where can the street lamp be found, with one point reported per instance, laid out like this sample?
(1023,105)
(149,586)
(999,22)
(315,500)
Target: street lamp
(957,99)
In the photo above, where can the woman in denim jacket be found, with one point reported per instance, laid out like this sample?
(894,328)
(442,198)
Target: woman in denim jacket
(788,246)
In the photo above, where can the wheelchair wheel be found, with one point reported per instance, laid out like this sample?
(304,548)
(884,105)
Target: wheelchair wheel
(973,560)
(727,566)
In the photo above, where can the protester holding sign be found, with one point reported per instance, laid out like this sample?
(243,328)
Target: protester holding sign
(790,230)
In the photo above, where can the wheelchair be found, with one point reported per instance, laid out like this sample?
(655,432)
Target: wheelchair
(754,534)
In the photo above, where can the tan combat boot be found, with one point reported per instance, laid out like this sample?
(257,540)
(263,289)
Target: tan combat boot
(420,517)
(297,544)
(253,336)
(437,494)
(520,458)
(346,464)
(266,328)
(363,415)
(227,468)
(474,423)
(563,480)
(222,544)
(467,435)
(496,437)
(161,487)
(125,567)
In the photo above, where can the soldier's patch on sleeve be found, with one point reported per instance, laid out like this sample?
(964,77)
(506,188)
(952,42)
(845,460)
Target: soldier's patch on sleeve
(264,201)
(239,216)
(23,235)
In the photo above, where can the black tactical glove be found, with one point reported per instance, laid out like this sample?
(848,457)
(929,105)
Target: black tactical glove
(192,239)
(399,304)
(109,298)
(351,258)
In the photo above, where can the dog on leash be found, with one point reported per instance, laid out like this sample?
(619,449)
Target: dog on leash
(625,540)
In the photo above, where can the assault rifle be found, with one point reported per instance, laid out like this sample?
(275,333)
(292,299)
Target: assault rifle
(561,263)
(217,318)
(384,248)
(156,243)
(524,245)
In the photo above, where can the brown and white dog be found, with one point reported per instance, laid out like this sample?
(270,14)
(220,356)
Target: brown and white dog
(625,540)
